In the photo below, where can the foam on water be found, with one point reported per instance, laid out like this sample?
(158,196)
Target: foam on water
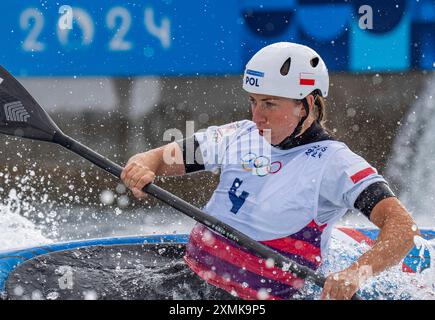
(392,284)
(425,279)
(16,231)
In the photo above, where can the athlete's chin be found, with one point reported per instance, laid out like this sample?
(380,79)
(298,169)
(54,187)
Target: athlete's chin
(266,135)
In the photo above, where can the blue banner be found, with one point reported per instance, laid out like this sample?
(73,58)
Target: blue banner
(206,37)
(358,35)
(110,37)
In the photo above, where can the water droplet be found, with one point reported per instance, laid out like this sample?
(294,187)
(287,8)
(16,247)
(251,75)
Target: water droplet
(90,295)
(107,197)
(262,294)
(53,295)
(123,201)
(120,188)
(18,291)
(270,263)
(37,295)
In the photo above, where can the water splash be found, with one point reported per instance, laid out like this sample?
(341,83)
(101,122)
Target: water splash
(393,284)
(410,167)
(16,230)
(425,280)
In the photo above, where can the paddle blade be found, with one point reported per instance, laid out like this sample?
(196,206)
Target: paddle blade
(20,114)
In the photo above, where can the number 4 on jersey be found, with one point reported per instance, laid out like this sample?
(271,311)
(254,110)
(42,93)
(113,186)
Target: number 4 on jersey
(236,200)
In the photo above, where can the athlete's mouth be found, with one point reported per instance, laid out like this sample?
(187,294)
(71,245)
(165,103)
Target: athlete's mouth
(263,131)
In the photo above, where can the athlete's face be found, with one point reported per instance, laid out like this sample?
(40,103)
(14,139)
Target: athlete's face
(279,115)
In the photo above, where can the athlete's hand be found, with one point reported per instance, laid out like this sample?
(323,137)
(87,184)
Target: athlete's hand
(137,175)
(342,285)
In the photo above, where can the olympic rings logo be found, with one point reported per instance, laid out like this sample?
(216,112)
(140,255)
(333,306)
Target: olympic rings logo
(260,165)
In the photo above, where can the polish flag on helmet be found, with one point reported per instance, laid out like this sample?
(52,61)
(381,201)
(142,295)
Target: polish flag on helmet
(306,79)
(360,171)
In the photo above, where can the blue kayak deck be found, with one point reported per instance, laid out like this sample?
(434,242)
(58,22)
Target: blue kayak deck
(9,260)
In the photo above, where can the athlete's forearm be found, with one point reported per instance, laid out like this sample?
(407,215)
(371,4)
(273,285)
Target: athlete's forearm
(395,239)
(166,160)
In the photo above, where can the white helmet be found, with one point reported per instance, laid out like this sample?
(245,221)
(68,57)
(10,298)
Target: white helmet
(286,69)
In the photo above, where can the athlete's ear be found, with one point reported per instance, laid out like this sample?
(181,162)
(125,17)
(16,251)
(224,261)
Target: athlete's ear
(311,100)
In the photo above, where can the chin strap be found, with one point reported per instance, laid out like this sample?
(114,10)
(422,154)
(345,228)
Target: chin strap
(291,140)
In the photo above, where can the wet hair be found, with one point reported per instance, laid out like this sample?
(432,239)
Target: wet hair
(319,107)
(320,104)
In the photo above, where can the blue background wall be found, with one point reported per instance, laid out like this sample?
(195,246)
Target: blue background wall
(211,37)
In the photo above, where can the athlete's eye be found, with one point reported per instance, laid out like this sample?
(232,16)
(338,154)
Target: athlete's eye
(270,104)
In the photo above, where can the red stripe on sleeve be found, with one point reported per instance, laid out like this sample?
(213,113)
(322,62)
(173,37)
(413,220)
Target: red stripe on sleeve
(362,174)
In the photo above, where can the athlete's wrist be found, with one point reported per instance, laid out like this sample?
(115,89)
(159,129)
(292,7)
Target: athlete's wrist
(361,272)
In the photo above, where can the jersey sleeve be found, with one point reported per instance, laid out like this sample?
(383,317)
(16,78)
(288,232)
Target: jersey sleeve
(214,142)
(189,146)
(345,177)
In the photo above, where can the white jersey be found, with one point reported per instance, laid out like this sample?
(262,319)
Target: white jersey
(270,194)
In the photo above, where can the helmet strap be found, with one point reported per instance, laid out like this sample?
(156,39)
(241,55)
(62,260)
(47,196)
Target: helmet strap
(292,141)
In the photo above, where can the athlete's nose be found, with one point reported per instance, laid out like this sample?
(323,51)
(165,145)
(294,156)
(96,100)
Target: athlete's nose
(258,116)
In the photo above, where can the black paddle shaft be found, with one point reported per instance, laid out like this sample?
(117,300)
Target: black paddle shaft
(21,115)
